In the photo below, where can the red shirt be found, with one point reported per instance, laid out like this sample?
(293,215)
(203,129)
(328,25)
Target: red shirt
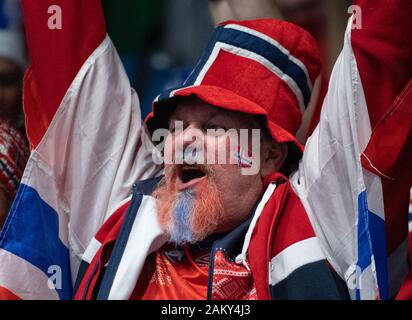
(175,274)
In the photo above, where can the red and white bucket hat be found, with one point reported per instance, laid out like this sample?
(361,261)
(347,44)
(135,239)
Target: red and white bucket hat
(261,67)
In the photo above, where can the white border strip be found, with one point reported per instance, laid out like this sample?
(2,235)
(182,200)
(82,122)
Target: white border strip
(258,58)
(145,237)
(91,250)
(294,257)
(276,44)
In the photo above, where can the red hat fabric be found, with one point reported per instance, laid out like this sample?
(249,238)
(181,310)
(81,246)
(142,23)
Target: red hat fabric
(262,67)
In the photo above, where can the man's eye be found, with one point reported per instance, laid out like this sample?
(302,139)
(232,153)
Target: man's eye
(214,129)
(213,126)
(174,125)
(177,126)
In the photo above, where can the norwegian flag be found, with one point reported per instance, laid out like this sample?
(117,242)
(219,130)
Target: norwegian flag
(243,159)
(84,150)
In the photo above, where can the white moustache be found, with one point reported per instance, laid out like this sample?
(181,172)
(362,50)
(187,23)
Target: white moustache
(189,156)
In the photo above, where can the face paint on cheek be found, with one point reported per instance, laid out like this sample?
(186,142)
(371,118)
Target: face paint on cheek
(243,159)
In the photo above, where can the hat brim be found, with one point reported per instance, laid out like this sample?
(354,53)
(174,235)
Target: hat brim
(221,98)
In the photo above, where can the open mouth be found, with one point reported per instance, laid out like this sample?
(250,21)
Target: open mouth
(189,175)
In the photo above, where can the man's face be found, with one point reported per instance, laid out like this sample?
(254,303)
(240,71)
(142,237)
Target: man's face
(197,200)
(10,89)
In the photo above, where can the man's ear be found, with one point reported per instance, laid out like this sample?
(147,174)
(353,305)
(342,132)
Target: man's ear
(273,156)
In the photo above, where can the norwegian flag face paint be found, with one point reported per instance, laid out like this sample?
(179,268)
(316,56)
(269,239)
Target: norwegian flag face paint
(243,158)
(247,154)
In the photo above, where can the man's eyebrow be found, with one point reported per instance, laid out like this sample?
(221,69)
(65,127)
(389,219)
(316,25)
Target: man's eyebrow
(215,114)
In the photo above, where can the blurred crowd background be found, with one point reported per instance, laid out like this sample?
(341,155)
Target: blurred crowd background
(159,42)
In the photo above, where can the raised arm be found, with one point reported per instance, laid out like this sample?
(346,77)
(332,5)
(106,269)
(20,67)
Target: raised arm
(88,147)
(382,45)
(383,51)
(56,55)
(349,178)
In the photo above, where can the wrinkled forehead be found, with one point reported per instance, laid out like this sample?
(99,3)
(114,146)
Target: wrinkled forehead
(192,109)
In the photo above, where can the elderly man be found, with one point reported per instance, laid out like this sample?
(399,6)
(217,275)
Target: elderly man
(265,221)
(206,211)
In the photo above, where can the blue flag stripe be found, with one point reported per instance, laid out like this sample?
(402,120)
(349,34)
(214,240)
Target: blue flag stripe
(371,232)
(32,233)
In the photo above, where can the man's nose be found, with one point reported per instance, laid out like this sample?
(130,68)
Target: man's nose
(190,139)
(190,135)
